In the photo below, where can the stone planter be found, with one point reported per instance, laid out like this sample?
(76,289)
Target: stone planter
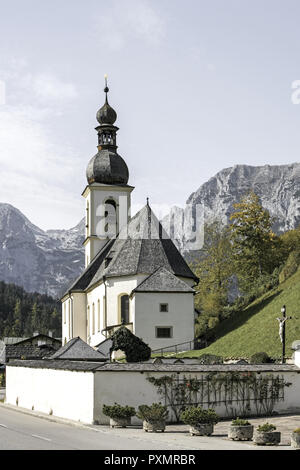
(154,426)
(202,429)
(270,438)
(295,440)
(241,433)
(119,422)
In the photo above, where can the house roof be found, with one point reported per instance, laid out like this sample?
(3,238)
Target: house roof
(77,350)
(27,351)
(163,280)
(35,337)
(140,248)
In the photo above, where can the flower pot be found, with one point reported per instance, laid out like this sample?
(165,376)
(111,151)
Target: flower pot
(295,440)
(241,433)
(154,426)
(205,429)
(270,438)
(119,422)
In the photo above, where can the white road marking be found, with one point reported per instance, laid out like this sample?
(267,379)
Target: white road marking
(41,437)
(3,426)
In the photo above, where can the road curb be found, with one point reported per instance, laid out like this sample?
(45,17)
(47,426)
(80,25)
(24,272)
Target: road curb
(55,419)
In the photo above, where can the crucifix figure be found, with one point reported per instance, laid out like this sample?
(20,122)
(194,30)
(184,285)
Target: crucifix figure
(281,323)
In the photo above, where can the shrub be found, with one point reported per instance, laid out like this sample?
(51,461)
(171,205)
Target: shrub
(155,412)
(260,358)
(240,422)
(267,427)
(297,430)
(118,411)
(197,415)
(210,359)
(134,348)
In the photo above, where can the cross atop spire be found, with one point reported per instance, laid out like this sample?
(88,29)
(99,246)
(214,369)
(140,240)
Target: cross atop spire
(106,89)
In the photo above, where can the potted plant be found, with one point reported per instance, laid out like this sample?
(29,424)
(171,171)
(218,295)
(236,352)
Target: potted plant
(265,435)
(120,416)
(153,417)
(295,439)
(201,421)
(240,430)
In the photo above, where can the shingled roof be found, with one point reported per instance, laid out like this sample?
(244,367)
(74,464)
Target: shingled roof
(77,350)
(142,247)
(163,280)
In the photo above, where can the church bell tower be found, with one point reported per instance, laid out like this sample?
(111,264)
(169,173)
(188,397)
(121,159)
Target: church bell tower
(107,194)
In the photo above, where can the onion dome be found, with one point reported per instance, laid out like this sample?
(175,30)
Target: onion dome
(107,166)
(106,114)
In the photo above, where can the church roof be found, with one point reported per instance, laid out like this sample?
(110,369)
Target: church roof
(77,350)
(163,280)
(141,247)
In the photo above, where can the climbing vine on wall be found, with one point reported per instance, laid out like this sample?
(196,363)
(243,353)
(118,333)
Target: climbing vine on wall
(242,393)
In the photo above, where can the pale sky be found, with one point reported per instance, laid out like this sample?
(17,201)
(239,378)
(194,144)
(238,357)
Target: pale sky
(198,85)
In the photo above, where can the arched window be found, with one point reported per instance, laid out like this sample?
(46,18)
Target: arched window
(88,321)
(93,319)
(124,308)
(99,326)
(110,214)
(87,218)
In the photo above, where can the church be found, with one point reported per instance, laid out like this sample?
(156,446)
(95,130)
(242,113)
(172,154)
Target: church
(134,275)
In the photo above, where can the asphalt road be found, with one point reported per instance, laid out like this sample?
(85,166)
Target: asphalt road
(20,431)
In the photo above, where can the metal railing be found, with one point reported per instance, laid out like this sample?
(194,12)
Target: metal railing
(175,348)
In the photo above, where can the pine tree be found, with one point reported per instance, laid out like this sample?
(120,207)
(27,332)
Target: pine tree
(17,327)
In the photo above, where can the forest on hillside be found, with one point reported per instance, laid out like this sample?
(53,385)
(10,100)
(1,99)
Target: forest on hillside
(23,313)
(246,257)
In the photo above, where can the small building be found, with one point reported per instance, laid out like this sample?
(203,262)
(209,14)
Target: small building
(36,347)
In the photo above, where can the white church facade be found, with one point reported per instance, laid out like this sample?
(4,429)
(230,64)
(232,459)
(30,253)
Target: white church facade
(134,274)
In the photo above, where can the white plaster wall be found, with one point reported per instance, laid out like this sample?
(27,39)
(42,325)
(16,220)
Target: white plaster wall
(180,317)
(92,298)
(79,315)
(137,390)
(96,194)
(297,357)
(69,394)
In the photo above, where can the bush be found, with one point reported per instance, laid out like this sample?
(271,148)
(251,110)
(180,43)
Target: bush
(240,422)
(155,412)
(297,430)
(134,348)
(267,427)
(118,411)
(260,358)
(197,415)
(210,359)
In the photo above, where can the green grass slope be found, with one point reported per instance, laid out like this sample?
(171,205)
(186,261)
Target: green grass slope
(255,328)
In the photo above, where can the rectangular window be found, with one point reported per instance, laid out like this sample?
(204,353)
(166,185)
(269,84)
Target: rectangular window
(64,310)
(164,332)
(163,307)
